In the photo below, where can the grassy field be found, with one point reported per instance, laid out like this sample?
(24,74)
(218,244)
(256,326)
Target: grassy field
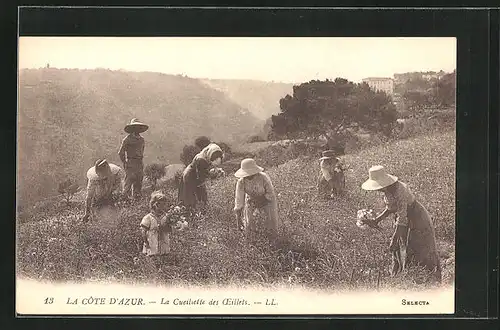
(322,246)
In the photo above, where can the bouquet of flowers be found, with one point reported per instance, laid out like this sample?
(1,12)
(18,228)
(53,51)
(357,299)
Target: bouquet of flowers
(365,219)
(178,216)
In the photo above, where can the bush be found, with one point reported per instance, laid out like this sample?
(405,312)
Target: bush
(153,172)
(201,142)
(255,138)
(68,189)
(188,153)
(426,123)
(322,247)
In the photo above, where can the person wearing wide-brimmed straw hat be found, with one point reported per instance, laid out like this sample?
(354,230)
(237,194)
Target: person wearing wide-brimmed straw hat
(331,178)
(131,154)
(255,195)
(414,231)
(104,179)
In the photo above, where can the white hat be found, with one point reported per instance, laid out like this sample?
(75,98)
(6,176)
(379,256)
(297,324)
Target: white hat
(108,169)
(248,167)
(378,179)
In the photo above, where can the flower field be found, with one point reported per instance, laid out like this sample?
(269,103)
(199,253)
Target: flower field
(322,246)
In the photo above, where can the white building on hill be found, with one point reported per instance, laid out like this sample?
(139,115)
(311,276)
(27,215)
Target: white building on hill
(381,84)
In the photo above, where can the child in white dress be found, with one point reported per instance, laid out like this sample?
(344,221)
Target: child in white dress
(157,226)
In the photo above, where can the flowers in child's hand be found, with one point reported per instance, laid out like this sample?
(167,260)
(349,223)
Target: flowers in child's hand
(181,225)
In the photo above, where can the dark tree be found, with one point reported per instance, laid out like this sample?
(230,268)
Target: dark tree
(202,141)
(444,90)
(418,100)
(188,153)
(330,108)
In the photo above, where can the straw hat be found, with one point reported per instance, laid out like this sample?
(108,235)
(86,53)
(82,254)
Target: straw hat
(378,179)
(102,169)
(248,167)
(136,126)
(328,154)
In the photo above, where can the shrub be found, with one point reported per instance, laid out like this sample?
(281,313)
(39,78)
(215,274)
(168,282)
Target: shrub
(202,141)
(68,189)
(188,153)
(153,172)
(322,247)
(255,138)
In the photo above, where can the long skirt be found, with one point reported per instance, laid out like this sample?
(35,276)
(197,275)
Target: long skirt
(421,249)
(191,190)
(262,221)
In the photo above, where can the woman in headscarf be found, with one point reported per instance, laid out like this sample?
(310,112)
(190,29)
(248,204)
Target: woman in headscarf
(255,195)
(192,185)
(413,227)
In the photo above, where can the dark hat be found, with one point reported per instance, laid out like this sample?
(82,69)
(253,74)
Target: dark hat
(136,126)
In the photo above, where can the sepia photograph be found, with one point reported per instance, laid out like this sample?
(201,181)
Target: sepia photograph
(236,175)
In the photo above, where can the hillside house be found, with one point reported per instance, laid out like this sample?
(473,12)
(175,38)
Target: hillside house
(381,84)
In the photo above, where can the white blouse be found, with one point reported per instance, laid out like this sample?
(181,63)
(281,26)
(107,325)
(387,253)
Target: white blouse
(260,185)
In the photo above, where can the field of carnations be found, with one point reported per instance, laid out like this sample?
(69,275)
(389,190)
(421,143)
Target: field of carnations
(322,247)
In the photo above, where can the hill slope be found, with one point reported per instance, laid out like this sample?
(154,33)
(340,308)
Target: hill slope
(323,246)
(69,118)
(261,98)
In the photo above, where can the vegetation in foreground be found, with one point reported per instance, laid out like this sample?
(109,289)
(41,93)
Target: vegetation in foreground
(323,247)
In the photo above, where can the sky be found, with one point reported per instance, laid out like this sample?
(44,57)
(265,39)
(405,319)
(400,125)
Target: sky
(271,59)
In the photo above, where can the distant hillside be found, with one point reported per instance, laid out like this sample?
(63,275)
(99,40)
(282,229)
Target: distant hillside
(69,118)
(261,98)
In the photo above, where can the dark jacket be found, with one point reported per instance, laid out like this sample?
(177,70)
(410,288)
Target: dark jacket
(132,148)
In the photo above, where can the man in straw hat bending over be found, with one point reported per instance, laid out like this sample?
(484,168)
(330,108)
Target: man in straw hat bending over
(103,179)
(331,179)
(131,154)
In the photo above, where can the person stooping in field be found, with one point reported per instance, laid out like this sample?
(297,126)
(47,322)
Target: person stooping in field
(255,201)
(104,179)
(131,154)
(192,189)
(414,231)
(332,178)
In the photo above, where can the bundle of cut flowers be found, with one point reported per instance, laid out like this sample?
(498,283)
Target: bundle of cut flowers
(366,219)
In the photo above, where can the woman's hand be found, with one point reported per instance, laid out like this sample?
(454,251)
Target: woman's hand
(385,213)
